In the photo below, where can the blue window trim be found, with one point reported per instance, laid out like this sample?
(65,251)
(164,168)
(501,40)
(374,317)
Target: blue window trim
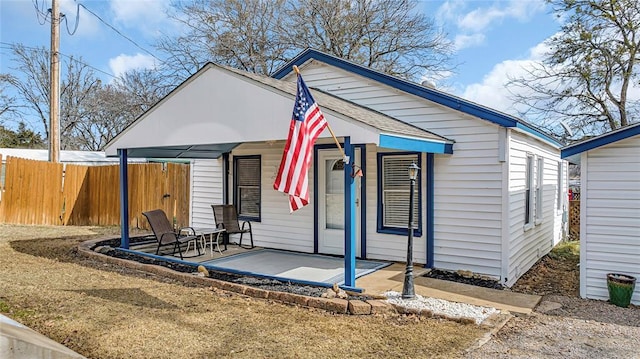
(380,223)
(235,187)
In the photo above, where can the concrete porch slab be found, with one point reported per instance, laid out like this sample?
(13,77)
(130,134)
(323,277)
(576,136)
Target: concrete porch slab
(392,278)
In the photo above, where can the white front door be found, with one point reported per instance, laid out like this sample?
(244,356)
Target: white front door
(331,226)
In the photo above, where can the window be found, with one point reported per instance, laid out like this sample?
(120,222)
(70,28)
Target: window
(528,203)
(559,186)
(393,194)
(539,188)
(246,186)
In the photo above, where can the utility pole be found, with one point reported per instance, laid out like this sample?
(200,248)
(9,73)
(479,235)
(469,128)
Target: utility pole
(54,100)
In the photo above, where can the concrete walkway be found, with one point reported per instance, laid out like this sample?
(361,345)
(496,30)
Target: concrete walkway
(391,278)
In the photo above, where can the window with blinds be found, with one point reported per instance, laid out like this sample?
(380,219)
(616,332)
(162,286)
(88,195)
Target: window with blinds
(394,192)
(247,186)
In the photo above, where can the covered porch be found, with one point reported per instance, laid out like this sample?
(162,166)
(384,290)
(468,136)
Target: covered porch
(219,110)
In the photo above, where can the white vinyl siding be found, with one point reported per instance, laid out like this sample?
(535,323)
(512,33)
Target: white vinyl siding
(206,189)
(610,216)
(277,228)
(468,184)
(528,243)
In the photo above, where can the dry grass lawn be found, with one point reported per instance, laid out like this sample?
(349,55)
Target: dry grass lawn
(102,311)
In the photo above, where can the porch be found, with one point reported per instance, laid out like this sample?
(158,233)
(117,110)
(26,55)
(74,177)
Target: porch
(387,276)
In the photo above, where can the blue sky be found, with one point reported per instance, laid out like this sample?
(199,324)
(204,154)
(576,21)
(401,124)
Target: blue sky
(494,39)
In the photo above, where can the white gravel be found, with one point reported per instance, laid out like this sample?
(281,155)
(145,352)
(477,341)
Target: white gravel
(441,307)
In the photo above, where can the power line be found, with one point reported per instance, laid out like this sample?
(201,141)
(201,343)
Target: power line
(11,46)
(40,11)
(66,23)
(119,33)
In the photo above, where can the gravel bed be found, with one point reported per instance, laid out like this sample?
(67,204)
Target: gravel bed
(442,307)
(455,277)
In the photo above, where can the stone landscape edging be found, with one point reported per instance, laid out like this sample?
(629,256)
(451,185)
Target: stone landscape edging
(335,305)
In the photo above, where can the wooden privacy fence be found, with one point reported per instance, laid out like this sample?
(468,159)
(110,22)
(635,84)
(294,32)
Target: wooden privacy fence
(37,192)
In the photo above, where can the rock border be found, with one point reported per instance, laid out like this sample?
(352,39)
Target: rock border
(334,305)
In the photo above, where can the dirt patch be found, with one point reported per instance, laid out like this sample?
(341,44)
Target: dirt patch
(556,273)
(106,311)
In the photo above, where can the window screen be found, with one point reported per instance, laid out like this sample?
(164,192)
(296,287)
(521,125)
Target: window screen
(247,186)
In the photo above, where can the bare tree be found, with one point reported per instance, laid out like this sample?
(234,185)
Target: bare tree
(390,36)
(261,35)
(91,113)
(586,76)
(112,107)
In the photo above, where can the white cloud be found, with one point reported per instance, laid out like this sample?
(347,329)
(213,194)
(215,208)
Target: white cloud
(480,18)
(473,23)
(124,63)
(492,91)
(146,15)
(464,41)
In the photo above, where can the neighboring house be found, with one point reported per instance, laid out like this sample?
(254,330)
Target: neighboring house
(491,193)
(609,208)
(89,158)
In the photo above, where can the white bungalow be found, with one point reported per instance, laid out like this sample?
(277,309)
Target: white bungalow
(609,208)
(491,190)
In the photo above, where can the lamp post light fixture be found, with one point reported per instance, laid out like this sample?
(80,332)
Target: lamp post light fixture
(408,290)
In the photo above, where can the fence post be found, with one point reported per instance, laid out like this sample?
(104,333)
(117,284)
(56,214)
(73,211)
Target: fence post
(124,200)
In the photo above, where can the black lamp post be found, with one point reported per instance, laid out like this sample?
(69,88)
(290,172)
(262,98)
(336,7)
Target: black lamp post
(408,291)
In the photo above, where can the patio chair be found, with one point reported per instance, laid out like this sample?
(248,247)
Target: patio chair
(226,217)
(166,235)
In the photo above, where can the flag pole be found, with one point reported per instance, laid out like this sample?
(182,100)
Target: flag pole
(344,156)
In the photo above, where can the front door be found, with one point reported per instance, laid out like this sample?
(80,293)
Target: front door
(331,203)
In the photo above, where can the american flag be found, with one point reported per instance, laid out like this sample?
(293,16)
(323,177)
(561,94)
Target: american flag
(306,125)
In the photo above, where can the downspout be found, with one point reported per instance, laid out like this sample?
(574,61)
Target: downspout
(225,178)
(124,200)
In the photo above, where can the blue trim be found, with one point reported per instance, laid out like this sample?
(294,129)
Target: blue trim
(124,199)
(525,127)
(441,98)
(430,209)
(605,139)
(235,187)
(349,217)
(414,144)
(363,202)
(396,230)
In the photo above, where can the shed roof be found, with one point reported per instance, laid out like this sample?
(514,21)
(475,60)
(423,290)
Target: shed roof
(431,94)
(569,152)
(220,107)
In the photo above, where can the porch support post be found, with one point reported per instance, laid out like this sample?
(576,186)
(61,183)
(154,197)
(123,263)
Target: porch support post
(124,200)
(349,218)
(430,208)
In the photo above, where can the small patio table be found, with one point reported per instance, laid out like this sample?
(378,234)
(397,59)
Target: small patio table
(203,232)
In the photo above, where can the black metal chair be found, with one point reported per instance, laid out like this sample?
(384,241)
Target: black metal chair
(165,233)
(226,217)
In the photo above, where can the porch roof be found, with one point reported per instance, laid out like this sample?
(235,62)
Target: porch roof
(220,107)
